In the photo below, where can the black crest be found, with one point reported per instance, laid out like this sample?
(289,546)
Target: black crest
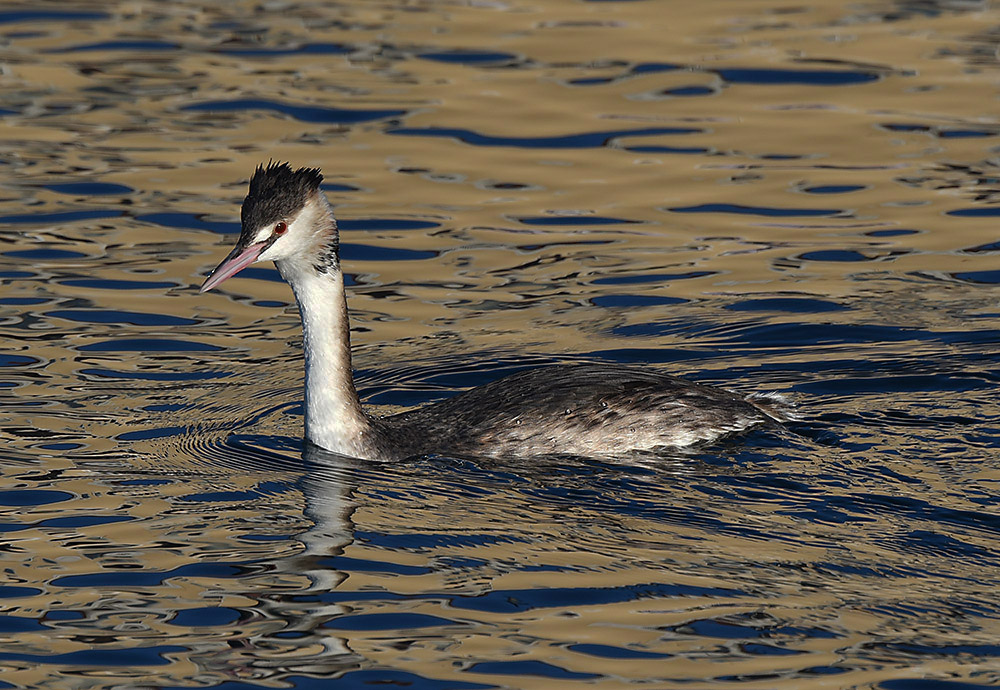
(276,193)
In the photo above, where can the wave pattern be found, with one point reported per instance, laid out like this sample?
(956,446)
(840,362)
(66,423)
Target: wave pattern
(762,197)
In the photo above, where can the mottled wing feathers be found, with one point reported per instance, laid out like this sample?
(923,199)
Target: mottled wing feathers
(586,409)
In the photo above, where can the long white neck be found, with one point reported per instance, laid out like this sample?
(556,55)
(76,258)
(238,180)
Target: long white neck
(334,418)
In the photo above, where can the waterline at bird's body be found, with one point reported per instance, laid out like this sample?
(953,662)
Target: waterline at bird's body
(579,409)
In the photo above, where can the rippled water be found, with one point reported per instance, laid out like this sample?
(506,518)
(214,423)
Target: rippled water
(770,197)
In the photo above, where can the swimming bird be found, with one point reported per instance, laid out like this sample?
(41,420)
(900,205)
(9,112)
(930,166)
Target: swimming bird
(593,410)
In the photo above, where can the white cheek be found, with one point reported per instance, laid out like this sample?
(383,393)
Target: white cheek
(271,253)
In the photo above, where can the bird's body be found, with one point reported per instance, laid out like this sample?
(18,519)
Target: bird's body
(589,410)
(578,409)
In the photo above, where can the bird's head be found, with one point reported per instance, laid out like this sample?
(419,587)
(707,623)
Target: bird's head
(286,219)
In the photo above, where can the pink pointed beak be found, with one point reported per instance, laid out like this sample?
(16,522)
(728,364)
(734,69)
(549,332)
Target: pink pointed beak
(238,259)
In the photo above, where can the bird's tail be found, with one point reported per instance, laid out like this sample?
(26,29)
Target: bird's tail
(777,406)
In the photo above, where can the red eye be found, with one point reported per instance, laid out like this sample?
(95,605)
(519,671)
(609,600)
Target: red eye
(281,228)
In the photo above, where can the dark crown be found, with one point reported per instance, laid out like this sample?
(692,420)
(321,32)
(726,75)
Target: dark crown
(277,193)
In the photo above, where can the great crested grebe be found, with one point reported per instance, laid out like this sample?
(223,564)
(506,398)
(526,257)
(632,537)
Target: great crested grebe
(595,410)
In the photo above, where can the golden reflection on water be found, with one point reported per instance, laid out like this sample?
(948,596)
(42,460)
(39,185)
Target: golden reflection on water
(860,552)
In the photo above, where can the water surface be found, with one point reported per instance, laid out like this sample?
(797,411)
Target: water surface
(767,197)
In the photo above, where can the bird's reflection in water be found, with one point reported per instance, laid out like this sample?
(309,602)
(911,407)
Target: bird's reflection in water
(479,527)
(298,604)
